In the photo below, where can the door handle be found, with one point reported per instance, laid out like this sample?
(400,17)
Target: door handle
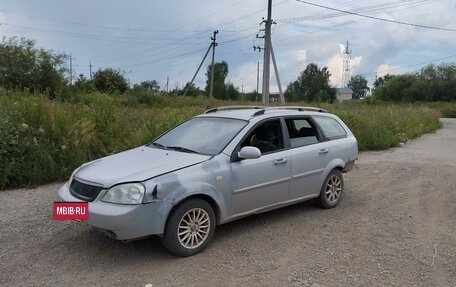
(280,161)
(323,151)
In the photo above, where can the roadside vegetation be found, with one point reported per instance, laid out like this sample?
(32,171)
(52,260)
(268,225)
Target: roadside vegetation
(49,124)
(44,140)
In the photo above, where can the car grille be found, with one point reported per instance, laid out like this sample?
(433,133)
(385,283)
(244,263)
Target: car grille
(84,191)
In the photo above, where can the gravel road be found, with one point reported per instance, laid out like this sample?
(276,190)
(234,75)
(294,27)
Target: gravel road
(395,226)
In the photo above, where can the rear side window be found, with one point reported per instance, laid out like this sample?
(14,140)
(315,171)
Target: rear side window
(330,127)
(301,132)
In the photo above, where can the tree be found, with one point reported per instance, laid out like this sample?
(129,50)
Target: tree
(109,81)
(393,89)
(193,91)
(232,92)
(381,80)
(312,85)
(148,86)
(220,74)
(358,84)
(431,83)
(23,66)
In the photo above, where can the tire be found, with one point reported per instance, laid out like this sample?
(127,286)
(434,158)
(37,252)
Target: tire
(331,191)
(195,220)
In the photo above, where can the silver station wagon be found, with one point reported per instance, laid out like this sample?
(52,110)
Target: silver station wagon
(227,163)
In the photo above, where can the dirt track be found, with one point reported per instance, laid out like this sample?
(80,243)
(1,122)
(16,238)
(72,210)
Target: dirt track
(395,226)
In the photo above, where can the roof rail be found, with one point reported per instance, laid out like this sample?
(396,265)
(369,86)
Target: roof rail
(226,108)
(299,108)
(262,109)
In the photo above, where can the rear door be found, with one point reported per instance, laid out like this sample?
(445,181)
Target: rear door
(308,155)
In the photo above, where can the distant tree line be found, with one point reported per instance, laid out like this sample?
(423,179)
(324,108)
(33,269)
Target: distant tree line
(431,83)
(23,66)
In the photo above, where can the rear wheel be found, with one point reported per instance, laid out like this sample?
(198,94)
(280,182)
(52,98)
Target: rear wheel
(332,189)
(189,228)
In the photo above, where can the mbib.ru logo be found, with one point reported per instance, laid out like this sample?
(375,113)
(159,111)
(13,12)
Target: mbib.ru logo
(71,210)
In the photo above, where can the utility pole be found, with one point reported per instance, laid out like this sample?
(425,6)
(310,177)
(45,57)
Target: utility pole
(267,55)
(214,44)
(71,70)
(90,69)
(258,80)
(282,99)
(211,46)
(197,70)
(167,83)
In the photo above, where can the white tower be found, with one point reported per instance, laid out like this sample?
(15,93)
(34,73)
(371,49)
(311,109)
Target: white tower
(346,65)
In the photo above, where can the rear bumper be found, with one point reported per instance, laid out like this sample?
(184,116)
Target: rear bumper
(123,222)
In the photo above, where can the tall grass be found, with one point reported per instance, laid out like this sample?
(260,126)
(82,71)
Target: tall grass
(379,127)
(447,109)
(44,140)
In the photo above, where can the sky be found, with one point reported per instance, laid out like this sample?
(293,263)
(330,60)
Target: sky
(166,40)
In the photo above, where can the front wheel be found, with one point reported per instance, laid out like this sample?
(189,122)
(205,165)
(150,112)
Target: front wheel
(189,228)
(332,189)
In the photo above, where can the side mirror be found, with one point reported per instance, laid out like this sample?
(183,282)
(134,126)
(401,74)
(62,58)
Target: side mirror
(249,152)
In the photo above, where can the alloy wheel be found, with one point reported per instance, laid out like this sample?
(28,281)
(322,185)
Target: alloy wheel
(193,228)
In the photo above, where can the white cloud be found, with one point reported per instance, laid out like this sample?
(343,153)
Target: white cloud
(384,69)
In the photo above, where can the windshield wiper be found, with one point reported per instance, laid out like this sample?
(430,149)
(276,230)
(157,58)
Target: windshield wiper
(155,144)
(183,149)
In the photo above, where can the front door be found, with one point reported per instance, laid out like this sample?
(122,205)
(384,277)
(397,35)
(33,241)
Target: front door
(265,181)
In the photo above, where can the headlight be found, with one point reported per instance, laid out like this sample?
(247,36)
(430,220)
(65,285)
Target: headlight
(128,193)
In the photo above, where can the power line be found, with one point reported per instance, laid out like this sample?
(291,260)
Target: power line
(370,8)
(176,55)
(105,26)
(98,36)
(380,19)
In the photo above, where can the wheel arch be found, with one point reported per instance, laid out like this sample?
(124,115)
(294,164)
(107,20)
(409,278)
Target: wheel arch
(209,199)
(334,164)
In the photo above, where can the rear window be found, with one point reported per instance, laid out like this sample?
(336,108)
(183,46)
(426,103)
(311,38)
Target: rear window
(301,132)
(330,127)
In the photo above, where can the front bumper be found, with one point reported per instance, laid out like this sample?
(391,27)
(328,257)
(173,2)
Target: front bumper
(123,222)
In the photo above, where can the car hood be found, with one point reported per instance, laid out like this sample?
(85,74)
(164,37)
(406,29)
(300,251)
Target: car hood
(137,164)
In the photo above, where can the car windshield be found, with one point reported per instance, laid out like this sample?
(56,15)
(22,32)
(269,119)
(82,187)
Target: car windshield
(204,135)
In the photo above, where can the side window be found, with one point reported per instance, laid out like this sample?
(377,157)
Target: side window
(267,137)
(301,132)
(330,127)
